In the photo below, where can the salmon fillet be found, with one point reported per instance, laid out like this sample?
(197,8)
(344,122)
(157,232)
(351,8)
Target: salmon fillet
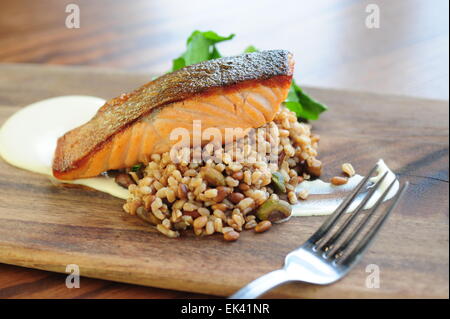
(233,92)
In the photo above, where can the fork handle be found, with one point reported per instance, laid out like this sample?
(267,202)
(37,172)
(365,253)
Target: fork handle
(262,284)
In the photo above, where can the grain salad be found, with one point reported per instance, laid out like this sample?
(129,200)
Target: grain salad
(223,194)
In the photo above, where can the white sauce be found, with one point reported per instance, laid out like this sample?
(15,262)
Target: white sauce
(28,140)
(319,204)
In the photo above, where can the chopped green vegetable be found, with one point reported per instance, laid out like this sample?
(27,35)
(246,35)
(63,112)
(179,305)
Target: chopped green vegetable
(201,46)
(274,210)
(136,167)
(278,182)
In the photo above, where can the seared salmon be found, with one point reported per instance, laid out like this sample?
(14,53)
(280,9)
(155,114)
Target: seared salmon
(233,92)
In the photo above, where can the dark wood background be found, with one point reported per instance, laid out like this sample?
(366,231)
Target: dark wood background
(407,55)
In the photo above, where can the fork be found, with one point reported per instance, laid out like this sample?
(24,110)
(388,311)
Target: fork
(328,255)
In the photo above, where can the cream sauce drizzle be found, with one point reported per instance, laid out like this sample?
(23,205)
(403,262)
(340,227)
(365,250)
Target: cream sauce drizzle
(318,203)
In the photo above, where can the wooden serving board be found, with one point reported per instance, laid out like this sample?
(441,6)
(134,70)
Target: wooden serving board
(47,227)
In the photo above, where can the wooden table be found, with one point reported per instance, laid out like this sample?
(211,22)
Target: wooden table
(407,55)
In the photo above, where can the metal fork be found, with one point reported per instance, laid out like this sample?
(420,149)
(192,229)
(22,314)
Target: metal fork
(328,255)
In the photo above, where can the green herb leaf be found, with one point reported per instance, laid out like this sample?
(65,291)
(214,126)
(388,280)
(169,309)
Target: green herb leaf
(201,46)
(178,63)
(215,54)
(303,105)
(210,35)
(250,49)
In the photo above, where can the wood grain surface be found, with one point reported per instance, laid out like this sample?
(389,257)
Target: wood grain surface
(47,227)
(407,55)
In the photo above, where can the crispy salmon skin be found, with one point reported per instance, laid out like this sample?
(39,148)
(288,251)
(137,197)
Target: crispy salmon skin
(243,91)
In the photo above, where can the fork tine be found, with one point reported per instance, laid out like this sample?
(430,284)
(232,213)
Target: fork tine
(364,243)
(342,208)
(350,237)
(335,237)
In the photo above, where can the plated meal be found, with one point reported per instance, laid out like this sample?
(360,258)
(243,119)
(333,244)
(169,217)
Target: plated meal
(220,145)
